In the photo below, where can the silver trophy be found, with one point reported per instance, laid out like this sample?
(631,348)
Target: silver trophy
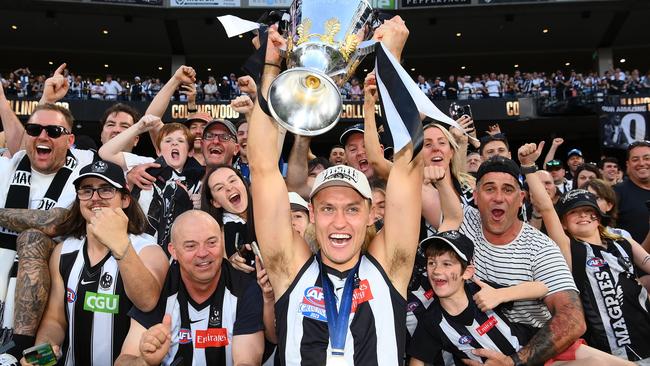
(322,53)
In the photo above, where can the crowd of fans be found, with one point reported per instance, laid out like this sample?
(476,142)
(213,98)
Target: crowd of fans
(208,253)
(556,85)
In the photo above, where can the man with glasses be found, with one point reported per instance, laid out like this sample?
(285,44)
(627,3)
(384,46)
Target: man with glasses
(634,192)
(35,178)
(104,266)
(219,144)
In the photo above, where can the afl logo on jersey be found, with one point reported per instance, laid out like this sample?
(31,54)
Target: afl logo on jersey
(595,262)
(464,339)
(184,336)
(70,295)
(106,281)
(315,296)
(412,306)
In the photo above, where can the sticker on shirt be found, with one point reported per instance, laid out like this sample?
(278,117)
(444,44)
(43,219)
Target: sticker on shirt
(211,337)
(465,339)
(313,301)
(70,295)
(485,327)
(101,303)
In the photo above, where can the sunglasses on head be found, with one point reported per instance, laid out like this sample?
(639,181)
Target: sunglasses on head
(33,129)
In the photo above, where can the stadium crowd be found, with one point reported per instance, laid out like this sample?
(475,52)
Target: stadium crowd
(555,85)
(469,251)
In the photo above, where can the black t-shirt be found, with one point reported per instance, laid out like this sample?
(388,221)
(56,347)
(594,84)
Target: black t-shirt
(632,211)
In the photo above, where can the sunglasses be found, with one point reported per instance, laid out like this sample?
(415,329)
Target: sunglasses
(34,130)
(554,163)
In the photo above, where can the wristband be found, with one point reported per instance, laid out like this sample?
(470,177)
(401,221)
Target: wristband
(528,169)
(516,360)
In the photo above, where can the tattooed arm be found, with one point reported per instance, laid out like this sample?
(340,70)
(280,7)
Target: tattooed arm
(21,219)
(564,328)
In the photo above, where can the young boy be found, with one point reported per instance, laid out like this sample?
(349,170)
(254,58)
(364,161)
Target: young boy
(456,324)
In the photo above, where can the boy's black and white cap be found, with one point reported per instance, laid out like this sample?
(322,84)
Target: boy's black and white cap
(104,170)
(342,175)
(461,244)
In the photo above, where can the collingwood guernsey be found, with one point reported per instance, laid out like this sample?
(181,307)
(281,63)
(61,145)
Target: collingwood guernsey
(376,333)
(96,304)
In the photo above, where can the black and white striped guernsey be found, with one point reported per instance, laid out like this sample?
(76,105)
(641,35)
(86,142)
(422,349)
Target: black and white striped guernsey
(471,329)
(376,333)
(210,333)
(616,306)
(531,256)
(96,304)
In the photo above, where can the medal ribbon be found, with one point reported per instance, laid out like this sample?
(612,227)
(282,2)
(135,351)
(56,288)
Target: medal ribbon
(337,319)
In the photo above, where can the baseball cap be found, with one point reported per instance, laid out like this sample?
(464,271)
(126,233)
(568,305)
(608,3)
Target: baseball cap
(104,170)
(577,198)
(297,202)
(574,152)
(349,131)
(225,77)
(342,176)
(461,244)
(199,116)
(224,122)
(554,164)
(499,164)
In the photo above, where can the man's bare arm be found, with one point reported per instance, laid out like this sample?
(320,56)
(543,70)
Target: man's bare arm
(11,125)
(297,169)
(21,219)
(566,326)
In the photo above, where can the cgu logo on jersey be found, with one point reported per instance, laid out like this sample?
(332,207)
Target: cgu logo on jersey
(184,336)
(70,295)
(212,337)
(595,262)
(465,339)
(102,303)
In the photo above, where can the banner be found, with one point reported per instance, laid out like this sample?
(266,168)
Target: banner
(204,3)
(269,3)
(622,122)
(510,1)
(429,3)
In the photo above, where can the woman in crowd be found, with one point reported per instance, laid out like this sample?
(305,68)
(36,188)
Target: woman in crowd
(604,267)
(176,179)
(606,199)
(584,173)
(226,196)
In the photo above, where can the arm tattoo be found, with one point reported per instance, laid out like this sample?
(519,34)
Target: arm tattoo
(560,332)
(32,281)
(21,219)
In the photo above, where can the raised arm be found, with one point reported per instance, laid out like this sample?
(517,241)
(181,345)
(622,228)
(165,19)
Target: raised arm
(21,219)
(56,86)
(297,166)
(11,125)
(158,106)
(374,150)
(283,252)
(113,149)
(528,154)
(550,155)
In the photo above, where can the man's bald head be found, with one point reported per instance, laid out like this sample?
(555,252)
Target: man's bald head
(189,221)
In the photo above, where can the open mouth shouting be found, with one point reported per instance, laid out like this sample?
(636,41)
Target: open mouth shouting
(235,199)
(497,214)
(175,154)
(339,240)
(363,165)
(43,151)
(436,160)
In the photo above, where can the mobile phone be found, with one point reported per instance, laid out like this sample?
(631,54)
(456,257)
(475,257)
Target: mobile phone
(256,250)
(456,111)
(42,354)
(248,255)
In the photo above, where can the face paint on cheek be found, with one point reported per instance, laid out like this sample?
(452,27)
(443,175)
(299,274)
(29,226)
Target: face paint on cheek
(454,277)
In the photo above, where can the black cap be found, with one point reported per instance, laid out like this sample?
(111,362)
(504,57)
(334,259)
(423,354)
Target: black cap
(577,198)
(461,244)
(499,164)
(104,170)
(358,128)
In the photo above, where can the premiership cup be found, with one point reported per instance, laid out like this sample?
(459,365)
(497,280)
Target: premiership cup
(322,53)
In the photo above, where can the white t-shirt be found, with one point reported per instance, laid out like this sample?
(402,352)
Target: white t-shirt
(112,89)
(493,87)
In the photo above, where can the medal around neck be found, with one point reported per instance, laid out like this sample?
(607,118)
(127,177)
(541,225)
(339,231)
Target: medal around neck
(336,359)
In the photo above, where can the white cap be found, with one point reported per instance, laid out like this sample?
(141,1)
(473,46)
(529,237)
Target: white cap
(296,200)
(342,175)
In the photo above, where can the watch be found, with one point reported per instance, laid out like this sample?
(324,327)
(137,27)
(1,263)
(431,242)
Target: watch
(528,169)
(516,360)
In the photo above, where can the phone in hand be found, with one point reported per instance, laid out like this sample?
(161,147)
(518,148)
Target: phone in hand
(456,111)
(258,253)
(42,354)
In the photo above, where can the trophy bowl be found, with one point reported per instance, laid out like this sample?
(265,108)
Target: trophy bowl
(321,55)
